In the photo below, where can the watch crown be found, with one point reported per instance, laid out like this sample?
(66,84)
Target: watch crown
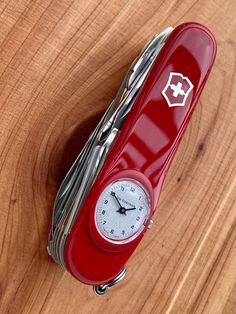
(150,224)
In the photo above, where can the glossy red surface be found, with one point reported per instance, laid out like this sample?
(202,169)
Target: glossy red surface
(143,150)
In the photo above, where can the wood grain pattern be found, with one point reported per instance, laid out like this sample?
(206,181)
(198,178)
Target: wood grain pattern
(61,63)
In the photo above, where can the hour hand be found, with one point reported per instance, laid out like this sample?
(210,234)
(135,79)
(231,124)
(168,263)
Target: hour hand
(130,208)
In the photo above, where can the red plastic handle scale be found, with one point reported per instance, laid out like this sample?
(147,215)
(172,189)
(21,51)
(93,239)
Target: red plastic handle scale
(144,147)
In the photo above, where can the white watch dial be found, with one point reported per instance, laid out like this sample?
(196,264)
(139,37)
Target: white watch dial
(122,210)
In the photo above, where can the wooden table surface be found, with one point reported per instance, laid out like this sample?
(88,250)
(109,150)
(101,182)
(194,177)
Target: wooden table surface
(61,62)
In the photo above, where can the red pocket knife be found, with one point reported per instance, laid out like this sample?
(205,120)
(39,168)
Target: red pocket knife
(107,200)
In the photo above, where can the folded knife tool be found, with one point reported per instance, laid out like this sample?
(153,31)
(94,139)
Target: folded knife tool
(106,201)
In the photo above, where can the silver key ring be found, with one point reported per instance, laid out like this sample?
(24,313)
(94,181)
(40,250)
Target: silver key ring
(102,289)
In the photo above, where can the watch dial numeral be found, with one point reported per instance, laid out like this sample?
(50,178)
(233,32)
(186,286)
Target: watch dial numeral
(140,208)
(132,227)
(122,188)
(104,222)
(106,201)
(138,218)
(103,212)
(112,231)
(132,189)
(123,232)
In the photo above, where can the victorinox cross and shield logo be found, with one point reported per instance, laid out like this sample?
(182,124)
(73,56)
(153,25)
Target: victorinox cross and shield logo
(177,89)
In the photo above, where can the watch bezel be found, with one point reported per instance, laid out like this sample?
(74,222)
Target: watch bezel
(140,229)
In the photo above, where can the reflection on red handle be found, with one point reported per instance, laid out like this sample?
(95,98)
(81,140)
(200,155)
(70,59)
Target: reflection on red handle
(145,146)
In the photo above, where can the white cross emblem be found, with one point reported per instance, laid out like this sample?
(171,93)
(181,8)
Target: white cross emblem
(177,89)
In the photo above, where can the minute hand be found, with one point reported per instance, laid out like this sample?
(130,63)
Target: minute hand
(114,194)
